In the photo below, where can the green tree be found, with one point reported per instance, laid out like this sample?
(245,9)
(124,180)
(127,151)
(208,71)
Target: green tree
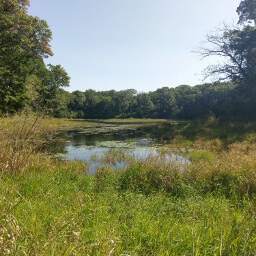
(53,79)
(247,11)
(165,102)
(236,46)
(123,102)
(20,33)
(145,105)
(24,42)
(237,49)
(77,103)
(60,105)
(91,106)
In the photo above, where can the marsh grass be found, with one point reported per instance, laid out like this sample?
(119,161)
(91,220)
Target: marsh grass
(136,121)
(20,138)
(217,132)
(48,207)
(113,156)
(23,137)
(61,213)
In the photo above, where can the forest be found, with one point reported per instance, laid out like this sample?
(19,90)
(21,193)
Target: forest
(26,82)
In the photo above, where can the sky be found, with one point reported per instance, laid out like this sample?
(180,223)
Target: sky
(131,44)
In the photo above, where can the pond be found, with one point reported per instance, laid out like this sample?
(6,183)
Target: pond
(112,145)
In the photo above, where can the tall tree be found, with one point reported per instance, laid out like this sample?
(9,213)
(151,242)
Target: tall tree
(24,42)
(237,49)
(52,81)
(236,46)
(20,33)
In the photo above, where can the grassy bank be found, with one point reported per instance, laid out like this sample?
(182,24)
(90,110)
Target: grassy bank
(135,121)
(49,207)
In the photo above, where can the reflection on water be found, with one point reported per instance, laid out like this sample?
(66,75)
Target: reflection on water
(93,145)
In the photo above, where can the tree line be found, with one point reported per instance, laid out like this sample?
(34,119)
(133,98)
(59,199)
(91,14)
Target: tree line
(220,99)
(25,81)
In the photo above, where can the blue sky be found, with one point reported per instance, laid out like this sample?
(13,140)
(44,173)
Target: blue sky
(138,44)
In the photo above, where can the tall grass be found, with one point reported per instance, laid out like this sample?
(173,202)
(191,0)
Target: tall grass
(61,213)
(150,207)
(24,137)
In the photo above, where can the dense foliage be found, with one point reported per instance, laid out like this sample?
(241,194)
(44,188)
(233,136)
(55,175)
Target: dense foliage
(24,42)
(182,102)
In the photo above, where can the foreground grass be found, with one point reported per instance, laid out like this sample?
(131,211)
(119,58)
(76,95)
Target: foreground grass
(64,212)
(151,208)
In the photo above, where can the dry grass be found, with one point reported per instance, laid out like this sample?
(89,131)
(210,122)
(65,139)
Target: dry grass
(22,137)
(230,172)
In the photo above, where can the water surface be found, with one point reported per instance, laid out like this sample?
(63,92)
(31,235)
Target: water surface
(94,145)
